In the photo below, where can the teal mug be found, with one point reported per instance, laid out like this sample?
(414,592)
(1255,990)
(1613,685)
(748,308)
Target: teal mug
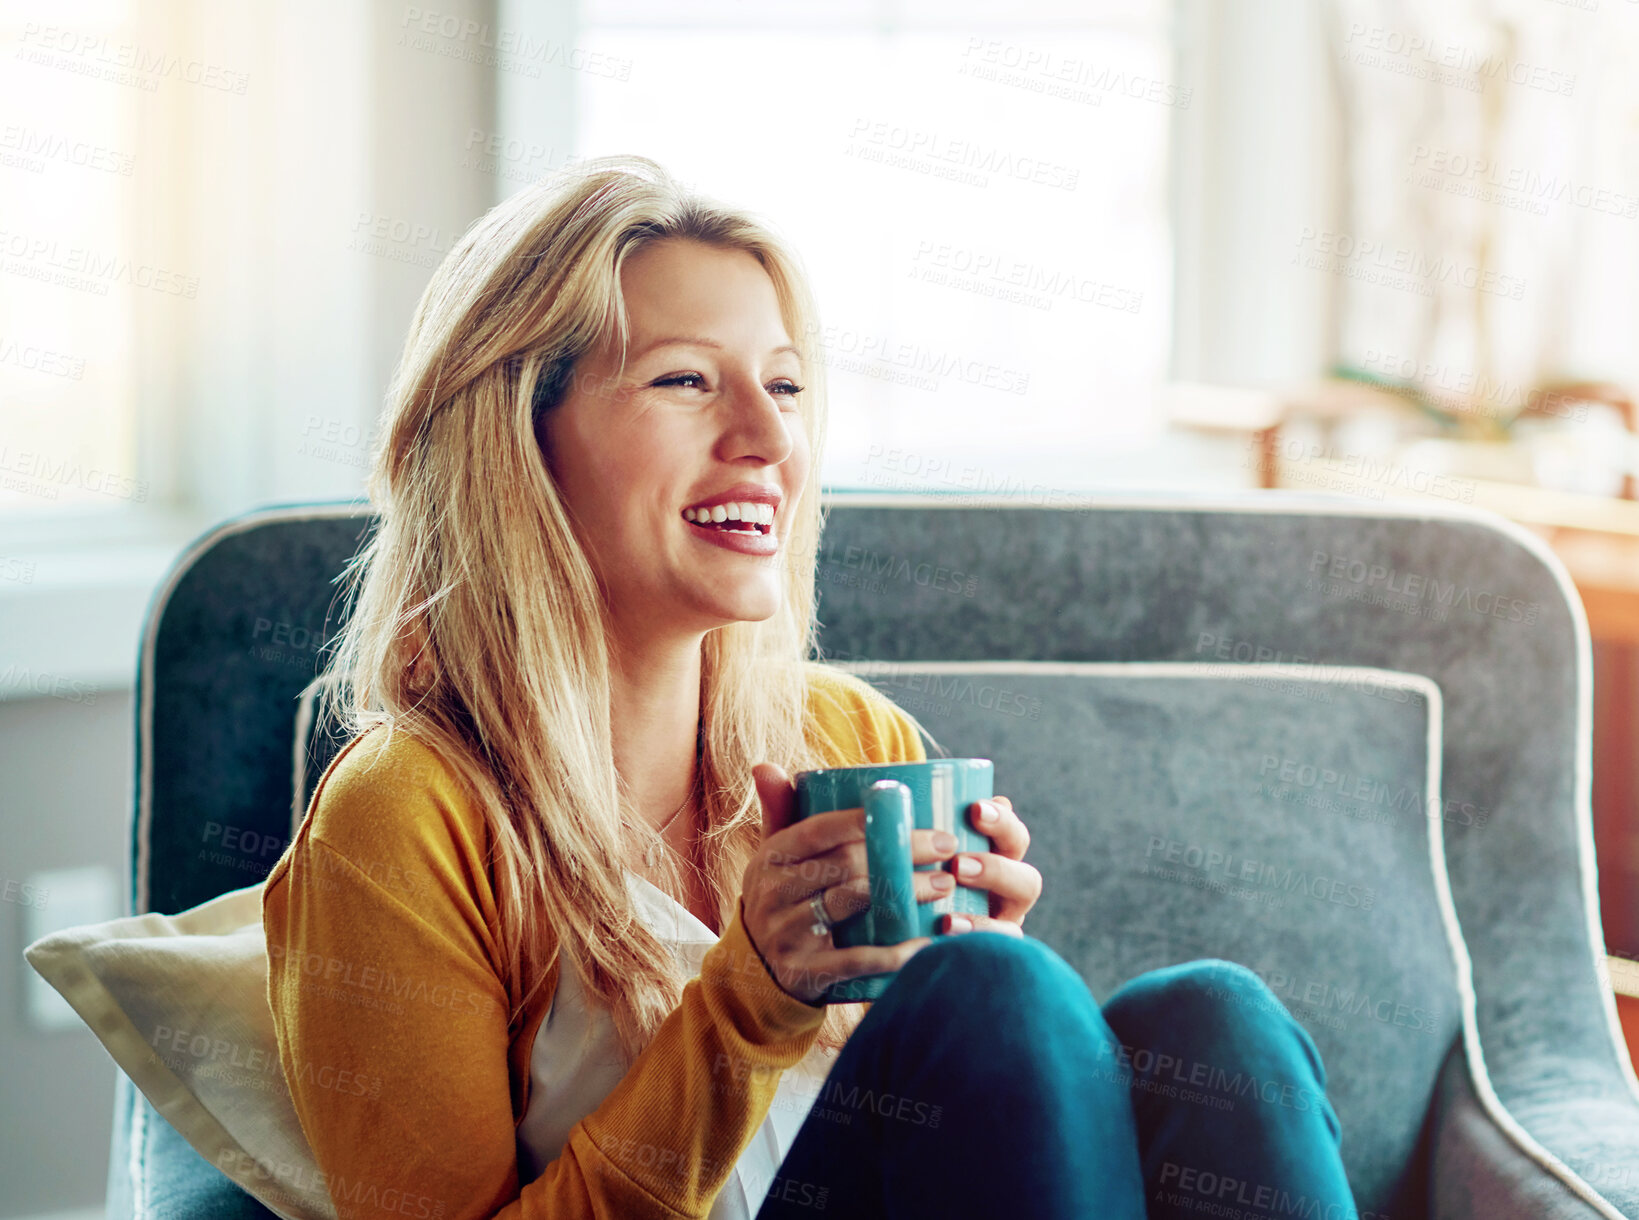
(898,797)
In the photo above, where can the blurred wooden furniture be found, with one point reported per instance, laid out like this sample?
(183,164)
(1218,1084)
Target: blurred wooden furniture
(1554,400)
(1625,982)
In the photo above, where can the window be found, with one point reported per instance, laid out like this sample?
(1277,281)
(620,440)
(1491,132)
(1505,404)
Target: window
(71,276)
(981,205)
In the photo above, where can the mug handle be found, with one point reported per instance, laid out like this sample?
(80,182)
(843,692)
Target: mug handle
(890,816)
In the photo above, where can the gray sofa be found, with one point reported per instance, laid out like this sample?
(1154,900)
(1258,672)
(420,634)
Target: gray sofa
(1344,744)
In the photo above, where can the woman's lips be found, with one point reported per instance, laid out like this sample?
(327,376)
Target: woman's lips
(746,543)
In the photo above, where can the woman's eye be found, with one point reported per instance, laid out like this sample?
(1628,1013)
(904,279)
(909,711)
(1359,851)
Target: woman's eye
(789,388)
(782,388)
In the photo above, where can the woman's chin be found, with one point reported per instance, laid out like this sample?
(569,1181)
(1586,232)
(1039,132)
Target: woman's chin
(750,606)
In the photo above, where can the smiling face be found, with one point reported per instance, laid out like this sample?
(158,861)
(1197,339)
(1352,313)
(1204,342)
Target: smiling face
(704,416)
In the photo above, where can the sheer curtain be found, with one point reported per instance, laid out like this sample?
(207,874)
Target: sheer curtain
(1493,194)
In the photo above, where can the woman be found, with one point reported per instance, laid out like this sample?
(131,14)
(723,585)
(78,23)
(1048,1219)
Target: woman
(565,942)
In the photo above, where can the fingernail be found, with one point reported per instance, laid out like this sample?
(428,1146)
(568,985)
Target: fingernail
(987,813)
(959,923)
(944,842)
(943,882)
(967,866)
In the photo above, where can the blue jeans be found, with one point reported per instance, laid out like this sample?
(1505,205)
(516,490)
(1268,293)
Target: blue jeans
(987,1082)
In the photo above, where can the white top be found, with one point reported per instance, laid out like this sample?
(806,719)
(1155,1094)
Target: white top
(575,1063)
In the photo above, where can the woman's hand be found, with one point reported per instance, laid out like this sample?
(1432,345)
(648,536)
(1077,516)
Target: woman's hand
(822,854)
(1014,885)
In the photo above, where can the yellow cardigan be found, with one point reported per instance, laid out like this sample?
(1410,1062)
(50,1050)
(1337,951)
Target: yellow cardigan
(391,1005)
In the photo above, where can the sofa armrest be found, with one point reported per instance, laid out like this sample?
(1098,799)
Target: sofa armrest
(1481,1172)
(155,1174)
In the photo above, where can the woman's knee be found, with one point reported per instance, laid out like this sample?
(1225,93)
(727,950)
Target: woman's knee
(1005,1001)
(1210,1009)
(993,976)
(992,960)
(1194,990)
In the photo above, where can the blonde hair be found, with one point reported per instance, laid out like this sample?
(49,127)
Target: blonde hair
(479,627)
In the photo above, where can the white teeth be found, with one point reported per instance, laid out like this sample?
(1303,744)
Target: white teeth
(751,512)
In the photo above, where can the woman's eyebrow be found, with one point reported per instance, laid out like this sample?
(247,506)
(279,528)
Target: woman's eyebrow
(691,341)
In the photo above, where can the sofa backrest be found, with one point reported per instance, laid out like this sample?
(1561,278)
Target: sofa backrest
(1273,817)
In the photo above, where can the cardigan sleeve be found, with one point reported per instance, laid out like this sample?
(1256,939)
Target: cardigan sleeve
(384,970)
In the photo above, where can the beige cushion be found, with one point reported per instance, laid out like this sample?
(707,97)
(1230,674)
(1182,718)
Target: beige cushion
(180,1003)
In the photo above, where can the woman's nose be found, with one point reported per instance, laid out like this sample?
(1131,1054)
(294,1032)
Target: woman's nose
(754,424)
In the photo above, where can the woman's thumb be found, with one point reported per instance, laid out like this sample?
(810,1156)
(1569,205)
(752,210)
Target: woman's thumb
(778,795)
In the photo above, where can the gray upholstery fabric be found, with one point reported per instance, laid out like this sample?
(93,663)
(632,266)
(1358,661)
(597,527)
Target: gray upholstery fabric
(236,634)
(231,639)
(1479,1171)
(155,1174)
(1164,833)
(1477,605)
